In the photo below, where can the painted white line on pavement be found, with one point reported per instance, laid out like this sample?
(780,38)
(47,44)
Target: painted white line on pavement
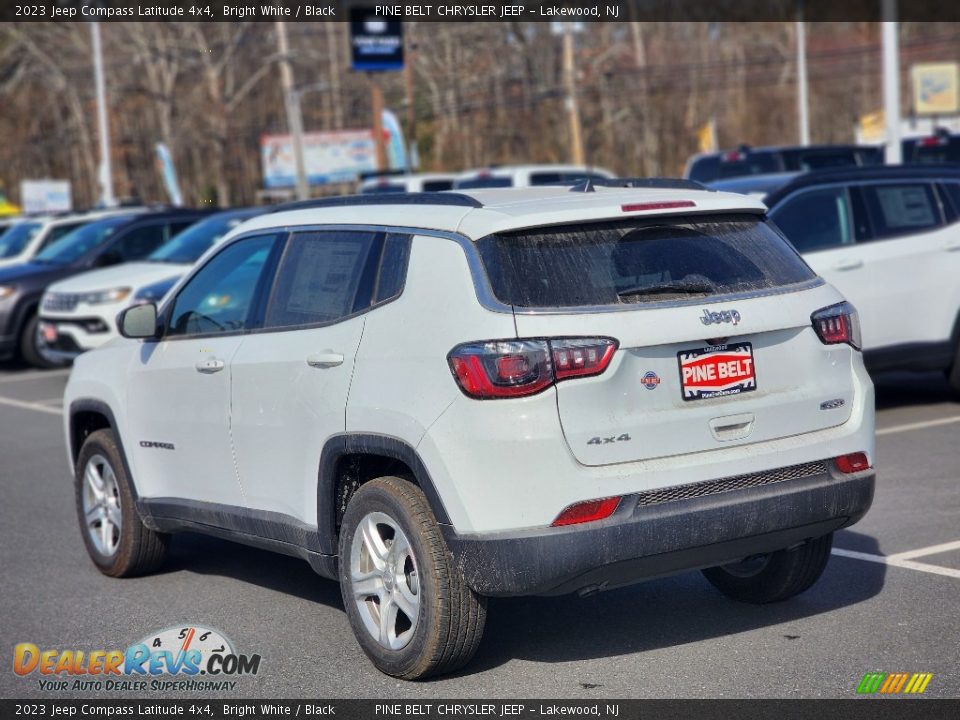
(30,406)
(919,425)
(894,561)
(32,374)
(929,550)
(50,401)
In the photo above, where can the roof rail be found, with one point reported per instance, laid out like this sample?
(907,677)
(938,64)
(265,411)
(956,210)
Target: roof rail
(664,183)
(420,198)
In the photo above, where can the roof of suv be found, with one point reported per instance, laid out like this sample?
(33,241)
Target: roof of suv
(859,174)
(477,213)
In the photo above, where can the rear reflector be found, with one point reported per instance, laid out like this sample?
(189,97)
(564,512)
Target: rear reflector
(587,511)
(665,205)
(852,463)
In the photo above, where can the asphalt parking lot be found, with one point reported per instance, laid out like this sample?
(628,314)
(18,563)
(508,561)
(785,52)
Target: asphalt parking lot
(889,600)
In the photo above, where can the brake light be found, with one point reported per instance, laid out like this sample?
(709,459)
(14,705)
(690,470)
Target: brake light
(852,463)
(838,324)
(665,205)
(517,368)
(588,511)
(933,141)
(733,156)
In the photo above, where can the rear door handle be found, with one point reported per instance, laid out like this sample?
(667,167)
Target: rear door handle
(209,366)
(952,246)
(848,264)
(325,359)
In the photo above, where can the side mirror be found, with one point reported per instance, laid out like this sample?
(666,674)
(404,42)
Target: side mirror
(139,322)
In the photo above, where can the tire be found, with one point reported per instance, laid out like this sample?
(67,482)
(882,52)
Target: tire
(773,577)
(953,373)
(29,348)
(116,539)
(421,580)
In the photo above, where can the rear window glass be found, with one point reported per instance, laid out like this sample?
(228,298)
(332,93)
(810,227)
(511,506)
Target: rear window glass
(932,152)
(752,163)
(437,185)
(639,260)
(488,181)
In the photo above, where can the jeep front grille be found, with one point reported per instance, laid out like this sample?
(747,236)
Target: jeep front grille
(61,302)
(737,482)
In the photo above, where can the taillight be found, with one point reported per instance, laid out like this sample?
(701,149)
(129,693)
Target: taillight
(852,463)
(517,368)
(838,324)
(587,511)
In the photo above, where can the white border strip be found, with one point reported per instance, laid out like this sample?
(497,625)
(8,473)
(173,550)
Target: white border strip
(30,406)
(894,561)
(918,425)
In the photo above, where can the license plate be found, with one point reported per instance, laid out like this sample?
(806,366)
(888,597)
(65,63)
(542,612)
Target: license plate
(717,371)
(49,332)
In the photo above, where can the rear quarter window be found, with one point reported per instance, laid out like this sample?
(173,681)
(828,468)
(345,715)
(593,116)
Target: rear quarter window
(901,209)
(630,262)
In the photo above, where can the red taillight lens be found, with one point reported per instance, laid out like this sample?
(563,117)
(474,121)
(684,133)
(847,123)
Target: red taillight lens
(838,324)
(852,463)
(516,368)
(587,512)
(502,369)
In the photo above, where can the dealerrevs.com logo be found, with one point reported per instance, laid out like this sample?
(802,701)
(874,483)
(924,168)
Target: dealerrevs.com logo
(187,658)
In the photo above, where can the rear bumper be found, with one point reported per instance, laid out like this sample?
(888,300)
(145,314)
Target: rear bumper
(643,541)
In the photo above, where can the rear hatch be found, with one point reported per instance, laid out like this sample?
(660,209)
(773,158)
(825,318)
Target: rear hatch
(713,319)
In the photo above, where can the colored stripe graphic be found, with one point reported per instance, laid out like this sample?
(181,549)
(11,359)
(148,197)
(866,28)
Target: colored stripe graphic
(894,683)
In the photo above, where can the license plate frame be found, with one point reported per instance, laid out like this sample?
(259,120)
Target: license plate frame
(717,371)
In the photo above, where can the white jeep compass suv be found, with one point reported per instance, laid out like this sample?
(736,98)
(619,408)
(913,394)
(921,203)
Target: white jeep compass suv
(442,397)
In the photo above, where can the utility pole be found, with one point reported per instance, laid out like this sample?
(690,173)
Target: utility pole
(107,198)
(292,102)
(411,106)
(803,104)
(376,105)
(573,109)
(891,82)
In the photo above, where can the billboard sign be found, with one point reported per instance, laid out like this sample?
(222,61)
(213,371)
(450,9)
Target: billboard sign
(376,42)
(330,157)
(935,88)
(45,196)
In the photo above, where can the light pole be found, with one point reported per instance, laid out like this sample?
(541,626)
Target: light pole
(891,82)
(803,104)
(106,176)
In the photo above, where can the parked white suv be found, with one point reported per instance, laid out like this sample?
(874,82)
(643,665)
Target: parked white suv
(505,176)
(437,398)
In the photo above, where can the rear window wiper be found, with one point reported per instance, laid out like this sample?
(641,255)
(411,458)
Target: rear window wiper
(678,287)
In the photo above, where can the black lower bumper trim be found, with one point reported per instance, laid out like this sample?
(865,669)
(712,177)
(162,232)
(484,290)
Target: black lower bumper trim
(641,542)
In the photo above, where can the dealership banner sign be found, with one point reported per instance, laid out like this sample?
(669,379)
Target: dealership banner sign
(330,157)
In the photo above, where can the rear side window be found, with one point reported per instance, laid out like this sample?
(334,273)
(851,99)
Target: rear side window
(816,219)
(639,260)
(58,231)
(901,209)
(951,192)
(487,181)
(324,276)
(140,242)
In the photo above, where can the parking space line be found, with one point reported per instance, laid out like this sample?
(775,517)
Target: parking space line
(929,550)
(894,561)
(30,406)
(50,401)
(919,425)
(31,374)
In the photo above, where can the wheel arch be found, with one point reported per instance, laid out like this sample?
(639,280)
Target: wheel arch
(86,417)
(350,459)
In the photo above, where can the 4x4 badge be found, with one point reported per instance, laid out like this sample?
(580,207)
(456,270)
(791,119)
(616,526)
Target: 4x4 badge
(724,316)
